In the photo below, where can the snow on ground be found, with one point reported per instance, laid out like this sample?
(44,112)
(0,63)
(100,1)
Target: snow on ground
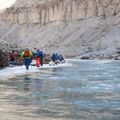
(11,72)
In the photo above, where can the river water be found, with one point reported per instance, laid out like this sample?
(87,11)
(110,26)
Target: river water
(87,90)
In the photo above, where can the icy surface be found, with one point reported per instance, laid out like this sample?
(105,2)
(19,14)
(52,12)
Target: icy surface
(11,72)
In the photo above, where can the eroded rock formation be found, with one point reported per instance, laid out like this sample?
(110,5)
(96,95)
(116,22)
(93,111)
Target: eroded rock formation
(61,11)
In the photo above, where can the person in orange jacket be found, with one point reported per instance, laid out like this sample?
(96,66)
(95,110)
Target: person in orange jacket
(39,58)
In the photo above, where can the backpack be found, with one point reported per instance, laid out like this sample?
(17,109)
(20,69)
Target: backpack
(39,54)
(27,53)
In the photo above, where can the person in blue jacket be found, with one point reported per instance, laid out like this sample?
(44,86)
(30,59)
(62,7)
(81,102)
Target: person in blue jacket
(61,58)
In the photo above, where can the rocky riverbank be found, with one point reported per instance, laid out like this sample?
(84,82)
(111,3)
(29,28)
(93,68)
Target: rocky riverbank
(4,57)
(3,60)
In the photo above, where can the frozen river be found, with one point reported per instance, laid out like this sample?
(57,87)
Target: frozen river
(87,90)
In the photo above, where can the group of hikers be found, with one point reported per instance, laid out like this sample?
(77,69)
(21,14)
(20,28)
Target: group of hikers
(57,58)
(27,56)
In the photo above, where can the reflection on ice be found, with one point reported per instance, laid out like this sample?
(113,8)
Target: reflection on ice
(87,90)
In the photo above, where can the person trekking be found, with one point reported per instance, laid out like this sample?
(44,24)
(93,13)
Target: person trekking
(56,58)
(38,61)
(39,58)
(53,57)
(61,58)
(27,54)
(13,56)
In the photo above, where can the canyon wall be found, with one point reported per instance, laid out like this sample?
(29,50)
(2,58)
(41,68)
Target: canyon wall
(70,27)
(61,11)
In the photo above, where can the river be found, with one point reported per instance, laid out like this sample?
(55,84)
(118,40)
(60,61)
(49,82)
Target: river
(87,90)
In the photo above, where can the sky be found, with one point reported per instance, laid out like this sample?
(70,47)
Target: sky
(6,3)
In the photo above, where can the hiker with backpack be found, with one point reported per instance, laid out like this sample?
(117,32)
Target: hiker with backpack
(26,55)
(39,58)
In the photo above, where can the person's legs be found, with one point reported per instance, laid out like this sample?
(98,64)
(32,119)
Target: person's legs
(38,62)
(41,61)
(27,63)
(12,59)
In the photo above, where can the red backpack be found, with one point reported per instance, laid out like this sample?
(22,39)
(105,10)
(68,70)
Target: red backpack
(27,53)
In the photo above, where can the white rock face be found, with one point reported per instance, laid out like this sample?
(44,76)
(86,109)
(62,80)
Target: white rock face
(70,27)
(44,12)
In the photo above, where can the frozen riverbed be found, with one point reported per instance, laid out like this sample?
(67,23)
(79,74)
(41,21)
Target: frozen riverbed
(11,72)
(78,90)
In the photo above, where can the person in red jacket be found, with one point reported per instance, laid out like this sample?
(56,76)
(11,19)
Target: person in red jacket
(13,56)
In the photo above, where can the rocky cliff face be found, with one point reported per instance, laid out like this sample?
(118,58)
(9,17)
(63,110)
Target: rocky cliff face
(72,27)
(48,11)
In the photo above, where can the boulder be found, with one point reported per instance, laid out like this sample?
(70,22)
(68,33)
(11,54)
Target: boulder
(85,58)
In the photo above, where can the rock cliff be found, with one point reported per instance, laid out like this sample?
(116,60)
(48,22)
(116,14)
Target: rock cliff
(71,27)
(43,12)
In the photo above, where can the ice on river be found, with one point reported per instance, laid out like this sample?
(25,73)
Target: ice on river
(11,72)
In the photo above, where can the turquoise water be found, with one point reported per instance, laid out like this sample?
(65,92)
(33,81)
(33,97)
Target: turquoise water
(87,90)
